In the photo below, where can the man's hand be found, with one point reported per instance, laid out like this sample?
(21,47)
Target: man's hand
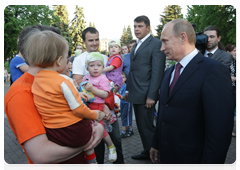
(108,114)
(149,103)
(154,156)
(126,97)
(84,96)
(97,134)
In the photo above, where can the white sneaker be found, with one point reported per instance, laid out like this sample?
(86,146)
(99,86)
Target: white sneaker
(112,155)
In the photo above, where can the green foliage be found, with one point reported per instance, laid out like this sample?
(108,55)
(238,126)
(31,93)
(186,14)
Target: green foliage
(170,12)
(124,38)
(16,17)
(77,27)
(63,24)
(129,32)
(222,16)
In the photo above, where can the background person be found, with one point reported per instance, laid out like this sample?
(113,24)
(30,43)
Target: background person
(18,66)
(126,111)
(126,59)
(195,117)
(231,48)
(124,50)
(144,80)
(212,46)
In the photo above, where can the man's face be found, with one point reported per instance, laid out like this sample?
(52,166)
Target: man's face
(141,30)
(91,42)
(131,46)
(212,40)
(171,45)
(79,47)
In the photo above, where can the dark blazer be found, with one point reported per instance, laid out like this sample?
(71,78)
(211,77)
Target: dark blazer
(146,71)
(223,57)
(195,122)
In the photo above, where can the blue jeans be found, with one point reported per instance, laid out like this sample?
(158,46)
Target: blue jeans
(126,114)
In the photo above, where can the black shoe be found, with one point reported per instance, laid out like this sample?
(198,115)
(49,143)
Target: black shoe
(123,135)
(129,133)
(140,157)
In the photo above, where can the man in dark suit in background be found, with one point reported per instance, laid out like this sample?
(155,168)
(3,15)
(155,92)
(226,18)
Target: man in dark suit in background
(144,79)
(212,49)
(195,117)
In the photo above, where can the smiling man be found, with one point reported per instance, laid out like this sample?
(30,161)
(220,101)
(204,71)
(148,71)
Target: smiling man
(195,116)
(212,49)
(147,65)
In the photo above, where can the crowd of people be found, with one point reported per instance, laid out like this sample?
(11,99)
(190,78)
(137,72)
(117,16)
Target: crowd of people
(72,103)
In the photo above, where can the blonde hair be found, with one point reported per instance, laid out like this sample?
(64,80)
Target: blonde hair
(44,48)
(181,25)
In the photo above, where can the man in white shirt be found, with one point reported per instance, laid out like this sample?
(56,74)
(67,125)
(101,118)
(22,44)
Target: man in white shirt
(212,49)
(90,38)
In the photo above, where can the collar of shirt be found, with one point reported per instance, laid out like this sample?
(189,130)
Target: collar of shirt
(143,39)
(184,62)
(206,52)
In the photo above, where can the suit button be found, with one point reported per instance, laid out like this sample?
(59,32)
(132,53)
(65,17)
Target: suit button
(163,123)
(166,105)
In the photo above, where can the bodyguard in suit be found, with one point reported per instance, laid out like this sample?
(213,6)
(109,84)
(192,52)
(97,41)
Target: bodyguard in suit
(144,79)
(195,117)
(212,49)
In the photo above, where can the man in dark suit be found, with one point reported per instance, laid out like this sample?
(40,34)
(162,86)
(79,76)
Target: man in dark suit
(212,49)
(144,79)
(195,117)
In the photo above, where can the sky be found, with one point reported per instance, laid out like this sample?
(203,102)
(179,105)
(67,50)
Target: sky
(111,16)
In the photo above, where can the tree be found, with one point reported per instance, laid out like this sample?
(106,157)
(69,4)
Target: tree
(124,38)
(77,27)
(129,32)
(16,17)
(222,16)
(63,24)
(90,24)
(170,12)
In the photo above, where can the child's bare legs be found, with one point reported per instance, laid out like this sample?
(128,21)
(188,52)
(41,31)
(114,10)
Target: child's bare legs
(112,154)
(90,156)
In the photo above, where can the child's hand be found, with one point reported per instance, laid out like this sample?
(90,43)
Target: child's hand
(88,86)
(84,96)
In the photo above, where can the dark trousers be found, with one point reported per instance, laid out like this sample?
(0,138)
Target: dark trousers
(144,119)
(116,139)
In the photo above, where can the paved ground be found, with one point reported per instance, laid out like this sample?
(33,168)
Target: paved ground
(13,153)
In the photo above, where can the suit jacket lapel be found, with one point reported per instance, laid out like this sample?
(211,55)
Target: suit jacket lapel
(144,44)
(187,72)
(132,52)
(165,83)
(216,54)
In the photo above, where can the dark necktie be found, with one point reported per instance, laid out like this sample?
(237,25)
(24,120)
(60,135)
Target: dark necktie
(176,76)
(210,55)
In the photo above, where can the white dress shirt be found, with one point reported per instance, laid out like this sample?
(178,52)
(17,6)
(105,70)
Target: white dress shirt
(139,42)
(184,62)
(206,52)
